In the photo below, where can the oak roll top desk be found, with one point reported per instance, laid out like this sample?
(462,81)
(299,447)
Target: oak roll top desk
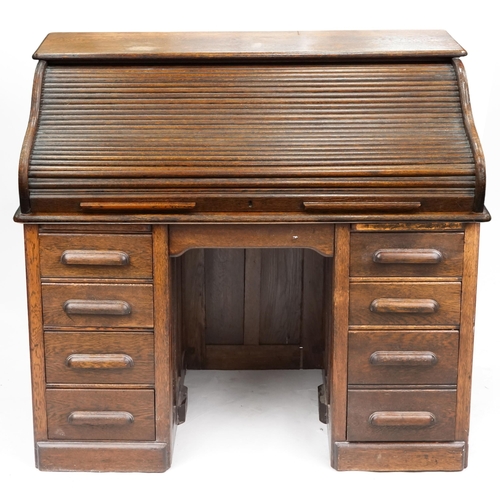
(250,201)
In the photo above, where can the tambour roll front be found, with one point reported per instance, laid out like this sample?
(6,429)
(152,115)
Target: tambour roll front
(249,201)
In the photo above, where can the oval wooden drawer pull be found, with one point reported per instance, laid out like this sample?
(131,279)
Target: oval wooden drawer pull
(403,358)
(97,307)
(404,306)
(99,361)
(402,419)
(407,256)
(110,418)
(95,258)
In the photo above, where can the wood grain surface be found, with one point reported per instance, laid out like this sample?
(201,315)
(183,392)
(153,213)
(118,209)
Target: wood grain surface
(285,44)
(251,201)
(215,137)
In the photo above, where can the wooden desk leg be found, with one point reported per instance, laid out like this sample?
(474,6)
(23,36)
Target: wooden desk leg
(340,325)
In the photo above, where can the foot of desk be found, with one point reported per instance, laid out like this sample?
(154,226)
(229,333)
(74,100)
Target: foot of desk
(399,456)
(103,457)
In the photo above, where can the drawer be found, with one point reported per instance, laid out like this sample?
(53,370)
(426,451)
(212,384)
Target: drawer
(401,415)
(96,255)
(99,358)
(72,305)
(407,254)
(407,357)
(402,303)
(96,414)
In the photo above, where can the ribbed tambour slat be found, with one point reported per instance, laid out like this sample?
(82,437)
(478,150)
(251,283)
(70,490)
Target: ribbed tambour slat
(253,126)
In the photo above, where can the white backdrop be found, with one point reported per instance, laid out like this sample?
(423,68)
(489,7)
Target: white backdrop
(258,471)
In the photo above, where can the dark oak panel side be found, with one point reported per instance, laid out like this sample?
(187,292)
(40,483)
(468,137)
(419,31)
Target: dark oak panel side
(193,306)
(165,370)
(468,310)
(313,338)
(339,336)
(29,139)
(471,130)
(35,317)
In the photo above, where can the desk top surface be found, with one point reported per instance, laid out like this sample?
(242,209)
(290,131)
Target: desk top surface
(226,45)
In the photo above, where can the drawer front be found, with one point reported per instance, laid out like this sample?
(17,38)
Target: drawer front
(99,358)
(88,414)
(406,254)
(407,357)
(405,304)
(401,415)
(95,255)
(70,305)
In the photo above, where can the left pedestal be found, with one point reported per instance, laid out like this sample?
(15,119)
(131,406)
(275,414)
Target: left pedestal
(103,371)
